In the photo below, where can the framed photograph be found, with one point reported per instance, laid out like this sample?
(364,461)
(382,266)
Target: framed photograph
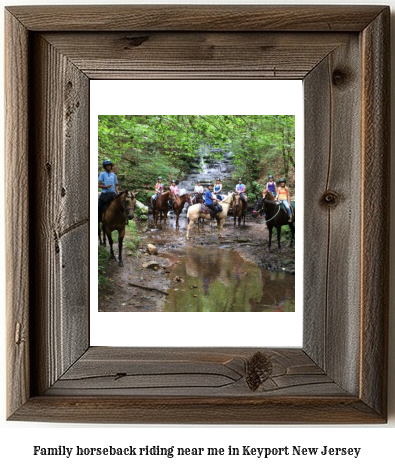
(339,375)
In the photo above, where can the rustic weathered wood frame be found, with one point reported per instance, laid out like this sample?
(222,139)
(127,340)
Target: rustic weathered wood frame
(340,374)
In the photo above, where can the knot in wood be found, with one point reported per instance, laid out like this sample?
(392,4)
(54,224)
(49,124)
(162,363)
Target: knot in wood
(259,369)
(339,77)
(330,198)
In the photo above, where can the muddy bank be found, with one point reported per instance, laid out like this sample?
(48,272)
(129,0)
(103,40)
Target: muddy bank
(138,287)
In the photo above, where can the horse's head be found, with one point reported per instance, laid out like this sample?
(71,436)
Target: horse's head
(268,196)
(259,207)
(129,203)
(236,201)
(188,198)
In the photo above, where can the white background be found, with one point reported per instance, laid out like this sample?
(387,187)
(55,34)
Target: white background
(17,439)
(268,97)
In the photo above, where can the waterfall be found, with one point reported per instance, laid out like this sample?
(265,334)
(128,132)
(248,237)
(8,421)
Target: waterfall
(207,169)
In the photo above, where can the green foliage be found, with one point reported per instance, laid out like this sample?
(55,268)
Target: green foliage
(145,147)
(132,238)
(103,263)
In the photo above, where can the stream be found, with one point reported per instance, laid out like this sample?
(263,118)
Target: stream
(210,276)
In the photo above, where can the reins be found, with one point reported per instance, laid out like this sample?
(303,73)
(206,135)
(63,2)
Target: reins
(279,208)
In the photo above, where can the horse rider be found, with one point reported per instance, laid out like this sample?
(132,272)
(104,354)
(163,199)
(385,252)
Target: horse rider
(218,189)
(271,186)
(198,190)
(240,189)
(284,197)
(108,183)
(209,199)
(158,190)
(173,193)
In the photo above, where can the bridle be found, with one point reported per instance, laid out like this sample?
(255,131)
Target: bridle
(124,202)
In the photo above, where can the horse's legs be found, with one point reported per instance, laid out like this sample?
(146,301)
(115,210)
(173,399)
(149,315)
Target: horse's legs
(111,243)
(100,241)
(291,226)
(155,215)
(220,224)
(279,237)
(270,235)
(121,236)
(190,224)
(104,235)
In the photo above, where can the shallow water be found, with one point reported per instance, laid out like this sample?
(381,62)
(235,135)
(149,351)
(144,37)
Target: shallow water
(215,279)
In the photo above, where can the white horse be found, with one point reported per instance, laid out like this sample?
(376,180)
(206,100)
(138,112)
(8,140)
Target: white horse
(194,213)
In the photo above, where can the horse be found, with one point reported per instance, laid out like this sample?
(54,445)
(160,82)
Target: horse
(178,205)
(161,206)
(239,209)
(195,212)
(117,215)
(275,217)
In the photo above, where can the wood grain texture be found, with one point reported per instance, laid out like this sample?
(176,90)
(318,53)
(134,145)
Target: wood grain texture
(339,376)
(196,17)
(196,55)
(375,236)
(190,372)
(198,410)
(60,122)
(333,167)
(17,213)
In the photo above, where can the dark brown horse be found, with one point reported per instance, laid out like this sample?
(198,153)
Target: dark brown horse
(120,210)
(161,206)
(178,205)
(239,209)
(275,217)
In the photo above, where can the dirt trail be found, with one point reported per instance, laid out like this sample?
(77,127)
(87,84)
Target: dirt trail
(250,242)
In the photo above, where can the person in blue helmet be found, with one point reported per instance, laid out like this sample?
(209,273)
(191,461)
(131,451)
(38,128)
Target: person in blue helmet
(209,201)
(108,183)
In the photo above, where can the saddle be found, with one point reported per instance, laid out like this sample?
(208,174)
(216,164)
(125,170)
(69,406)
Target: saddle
(106,201)
(292,208)
(205,209)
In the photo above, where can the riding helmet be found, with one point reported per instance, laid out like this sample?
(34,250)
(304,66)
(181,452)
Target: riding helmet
(270,176)
(107,162)
(173,181)
(282,180)
(159,177)
(240,179)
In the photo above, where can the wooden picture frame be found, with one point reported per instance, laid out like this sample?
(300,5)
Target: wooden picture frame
(340,373)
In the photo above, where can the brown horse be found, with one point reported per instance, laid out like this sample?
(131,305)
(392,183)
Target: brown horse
(118,213)
(239,209)
(275,217)
(161,206)
(178,205)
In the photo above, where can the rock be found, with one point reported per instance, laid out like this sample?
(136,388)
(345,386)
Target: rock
(151,249)
(151,265)
(142,207)
(286,262)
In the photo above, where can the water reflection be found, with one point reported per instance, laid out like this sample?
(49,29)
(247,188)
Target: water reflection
(217,280)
